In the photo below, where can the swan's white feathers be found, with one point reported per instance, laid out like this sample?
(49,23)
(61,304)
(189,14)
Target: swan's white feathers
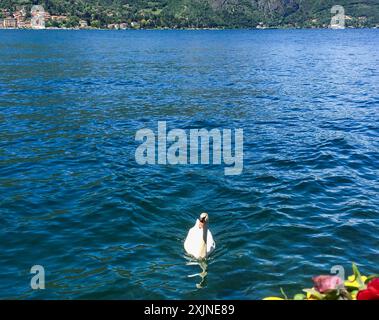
(194,241)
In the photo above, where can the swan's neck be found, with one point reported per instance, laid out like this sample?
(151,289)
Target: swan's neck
(203,246)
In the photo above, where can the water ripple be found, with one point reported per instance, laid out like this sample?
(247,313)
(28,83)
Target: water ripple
(74,200)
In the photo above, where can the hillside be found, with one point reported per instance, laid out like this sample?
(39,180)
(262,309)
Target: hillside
(200,13)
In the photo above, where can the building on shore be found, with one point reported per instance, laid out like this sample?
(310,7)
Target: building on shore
(10,23)
(83,24)
(135,25)
(20,16)
(60,18)
(123,25)
(47,16)
(20,13)
(115,26)
(24,24)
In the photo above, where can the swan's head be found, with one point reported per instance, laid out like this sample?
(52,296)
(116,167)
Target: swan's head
(203,219)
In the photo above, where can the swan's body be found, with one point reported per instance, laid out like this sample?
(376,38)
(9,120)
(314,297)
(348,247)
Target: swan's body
(199,242)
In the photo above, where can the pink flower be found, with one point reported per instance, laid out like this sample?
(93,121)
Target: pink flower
(326,283)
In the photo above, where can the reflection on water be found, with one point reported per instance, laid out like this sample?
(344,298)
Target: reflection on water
(203,274)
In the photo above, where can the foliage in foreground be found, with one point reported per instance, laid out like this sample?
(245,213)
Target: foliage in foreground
(327,287)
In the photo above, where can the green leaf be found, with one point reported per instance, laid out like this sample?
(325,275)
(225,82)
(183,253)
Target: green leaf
(358,277)
(283,293)
(356,271)
(369,278)
(346,294)
(299,296)
(332,295)
(315,293)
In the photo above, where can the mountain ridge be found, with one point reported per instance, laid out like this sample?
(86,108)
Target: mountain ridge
(198,13)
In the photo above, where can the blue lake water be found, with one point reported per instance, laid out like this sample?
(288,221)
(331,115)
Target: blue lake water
(74,200)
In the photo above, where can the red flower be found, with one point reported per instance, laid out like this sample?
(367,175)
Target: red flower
(326,283)
(372,291)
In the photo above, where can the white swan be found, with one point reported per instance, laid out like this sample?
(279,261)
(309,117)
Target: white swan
(199,242)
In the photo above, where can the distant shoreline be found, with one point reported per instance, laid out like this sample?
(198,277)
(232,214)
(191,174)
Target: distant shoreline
(189,29)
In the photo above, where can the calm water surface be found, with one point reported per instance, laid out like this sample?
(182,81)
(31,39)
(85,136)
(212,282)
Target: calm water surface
(73,199)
